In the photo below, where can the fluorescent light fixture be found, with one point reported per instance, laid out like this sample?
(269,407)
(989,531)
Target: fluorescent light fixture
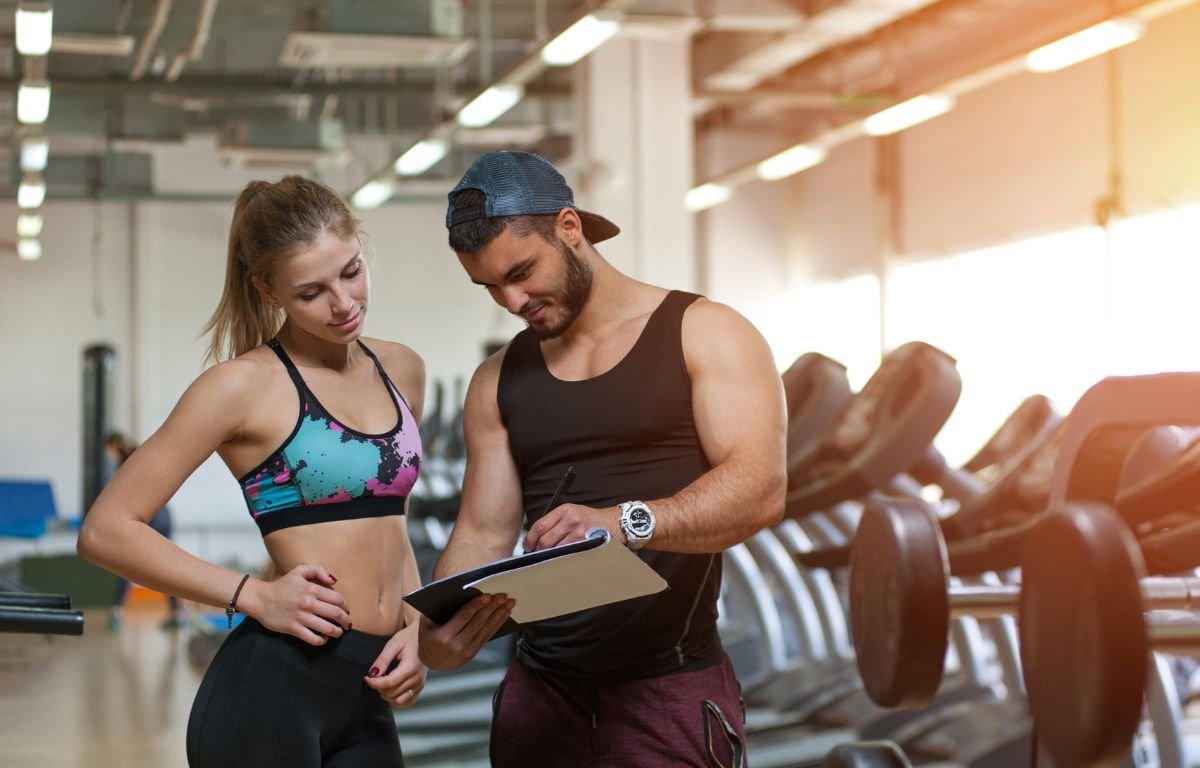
(31,193)
(581,38)
(29,249)
(35,25)
(29,225)
(906,114)
(372,194)
(93,45)
(421,156)
(1083,45)
(33,102)
(490,104)
(34,153)
(706,196)
(799,158)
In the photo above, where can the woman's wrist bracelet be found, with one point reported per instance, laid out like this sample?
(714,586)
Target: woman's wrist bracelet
(232,607)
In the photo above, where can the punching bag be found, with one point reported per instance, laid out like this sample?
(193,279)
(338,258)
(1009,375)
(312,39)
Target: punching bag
(99,366)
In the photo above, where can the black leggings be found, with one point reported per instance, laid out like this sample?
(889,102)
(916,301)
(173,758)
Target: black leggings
(270,699)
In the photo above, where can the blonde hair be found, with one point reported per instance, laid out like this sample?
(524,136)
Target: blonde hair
(271,221)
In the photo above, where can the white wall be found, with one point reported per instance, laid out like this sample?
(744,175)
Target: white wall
(50,310)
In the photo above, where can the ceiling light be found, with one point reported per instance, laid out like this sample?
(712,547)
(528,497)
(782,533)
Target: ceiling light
(490,104)
(29,250)
(31,193)
(29,225)
(581,38)
(421,156)
(34,153)
(1090,42)
(706,196)
(908,113)
(372,194)
(799,158)
(33,102)
(35,24)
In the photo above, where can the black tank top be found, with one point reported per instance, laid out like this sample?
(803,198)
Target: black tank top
(630,434)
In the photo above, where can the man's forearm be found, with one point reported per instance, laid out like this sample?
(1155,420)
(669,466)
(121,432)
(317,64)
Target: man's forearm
(724,506)
(469,549)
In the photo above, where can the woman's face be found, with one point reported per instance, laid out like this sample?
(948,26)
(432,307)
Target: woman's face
(324,288)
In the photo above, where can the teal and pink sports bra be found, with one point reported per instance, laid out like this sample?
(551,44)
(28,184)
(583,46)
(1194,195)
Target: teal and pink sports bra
(326,471)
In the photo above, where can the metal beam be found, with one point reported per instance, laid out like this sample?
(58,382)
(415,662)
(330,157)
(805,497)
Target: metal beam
(207,87)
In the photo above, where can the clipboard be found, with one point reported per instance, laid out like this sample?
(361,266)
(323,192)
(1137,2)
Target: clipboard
(575,576)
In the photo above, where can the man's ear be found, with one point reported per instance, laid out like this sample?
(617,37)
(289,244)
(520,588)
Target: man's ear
(569,227)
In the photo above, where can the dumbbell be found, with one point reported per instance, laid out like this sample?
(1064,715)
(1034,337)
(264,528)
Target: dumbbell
(901,601)
(1085,636)
(29,612)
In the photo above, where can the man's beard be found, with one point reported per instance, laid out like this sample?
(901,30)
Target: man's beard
(570,296)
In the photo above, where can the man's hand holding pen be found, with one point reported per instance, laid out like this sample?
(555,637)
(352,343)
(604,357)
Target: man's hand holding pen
(571,522)
(563,523)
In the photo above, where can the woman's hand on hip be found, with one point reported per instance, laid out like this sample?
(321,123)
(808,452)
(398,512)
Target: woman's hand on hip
(301,603)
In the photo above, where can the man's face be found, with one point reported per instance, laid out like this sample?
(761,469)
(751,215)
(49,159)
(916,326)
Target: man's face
(545,284)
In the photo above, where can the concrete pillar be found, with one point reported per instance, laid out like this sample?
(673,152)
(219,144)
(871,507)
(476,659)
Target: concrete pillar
(634,157)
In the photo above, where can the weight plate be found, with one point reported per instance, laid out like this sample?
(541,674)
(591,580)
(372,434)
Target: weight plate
(899,604)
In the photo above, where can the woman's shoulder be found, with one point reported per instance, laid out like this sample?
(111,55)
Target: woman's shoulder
(404,367)
(229,393)
(242,375)
(396,358)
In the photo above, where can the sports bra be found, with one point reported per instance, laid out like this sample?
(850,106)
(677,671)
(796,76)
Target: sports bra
(326,471)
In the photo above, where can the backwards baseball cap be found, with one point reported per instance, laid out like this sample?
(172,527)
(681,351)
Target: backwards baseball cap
(521,184)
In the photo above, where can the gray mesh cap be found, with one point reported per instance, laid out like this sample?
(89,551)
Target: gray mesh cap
(520,184)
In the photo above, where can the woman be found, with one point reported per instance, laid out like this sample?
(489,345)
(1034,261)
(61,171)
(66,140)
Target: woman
(321,430)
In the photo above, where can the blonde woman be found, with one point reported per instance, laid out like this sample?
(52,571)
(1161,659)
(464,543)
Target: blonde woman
(319,425)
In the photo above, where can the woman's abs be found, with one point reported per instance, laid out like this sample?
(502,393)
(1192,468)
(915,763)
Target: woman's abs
(367,557)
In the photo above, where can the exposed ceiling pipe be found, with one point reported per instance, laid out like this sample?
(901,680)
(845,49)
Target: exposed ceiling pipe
(381,185)
(162,9)
(832,26)
(195,48)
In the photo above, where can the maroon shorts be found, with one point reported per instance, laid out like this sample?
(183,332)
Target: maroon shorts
(689,719)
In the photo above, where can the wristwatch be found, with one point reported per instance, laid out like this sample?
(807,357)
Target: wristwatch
(637,523)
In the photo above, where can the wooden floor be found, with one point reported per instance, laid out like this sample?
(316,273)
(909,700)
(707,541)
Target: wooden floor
(103,700)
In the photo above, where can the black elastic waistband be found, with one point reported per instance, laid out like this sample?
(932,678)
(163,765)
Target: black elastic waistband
(360,647)
(363,506)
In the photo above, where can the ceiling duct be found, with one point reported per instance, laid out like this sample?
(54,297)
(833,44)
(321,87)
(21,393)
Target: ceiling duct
(304,50)
(361,34)
(267,142)
(85,175)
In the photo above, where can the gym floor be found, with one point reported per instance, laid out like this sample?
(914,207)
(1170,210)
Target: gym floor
(103,700)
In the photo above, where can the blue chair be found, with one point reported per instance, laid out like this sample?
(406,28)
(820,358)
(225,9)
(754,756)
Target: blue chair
(26,506)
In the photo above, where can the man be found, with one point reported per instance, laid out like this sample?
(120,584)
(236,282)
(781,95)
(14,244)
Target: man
(671,411)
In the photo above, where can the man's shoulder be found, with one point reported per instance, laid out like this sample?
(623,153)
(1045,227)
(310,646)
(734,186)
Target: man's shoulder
(713,332)
(704,315)
(488,372)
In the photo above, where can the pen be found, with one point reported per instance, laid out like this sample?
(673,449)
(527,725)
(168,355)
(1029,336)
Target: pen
(564,485)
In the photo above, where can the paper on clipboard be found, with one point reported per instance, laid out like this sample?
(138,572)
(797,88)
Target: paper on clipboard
(605,574)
